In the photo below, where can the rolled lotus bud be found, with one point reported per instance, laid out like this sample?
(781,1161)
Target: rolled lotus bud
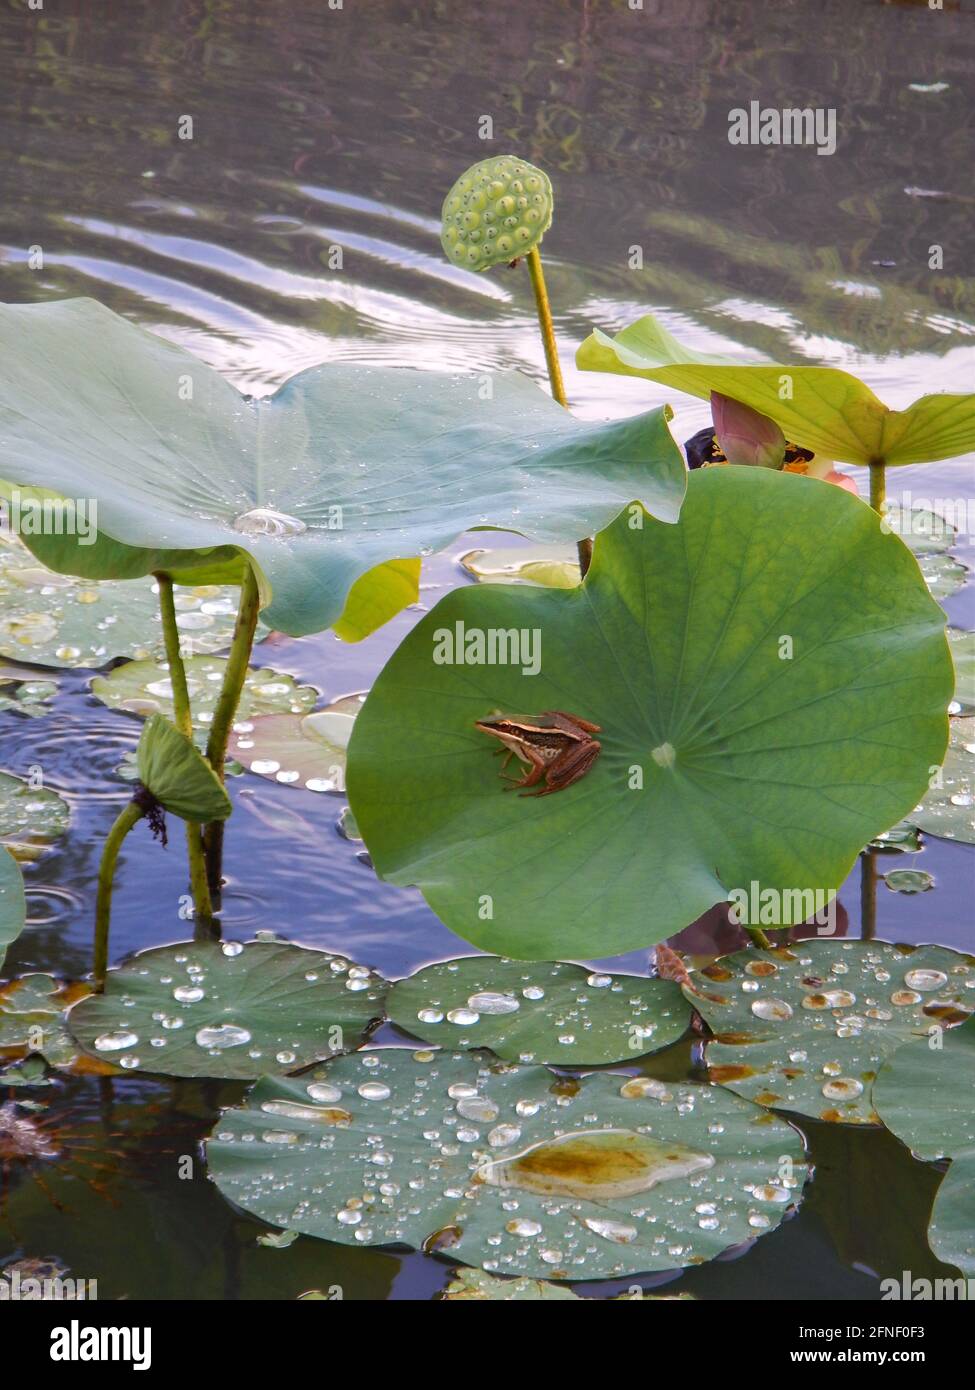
(496,211)
(842,480)
(744,435)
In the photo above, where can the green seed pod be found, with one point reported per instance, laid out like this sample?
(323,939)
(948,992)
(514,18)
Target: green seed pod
(498,209)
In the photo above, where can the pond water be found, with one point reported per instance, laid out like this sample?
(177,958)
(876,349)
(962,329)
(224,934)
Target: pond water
(316,127)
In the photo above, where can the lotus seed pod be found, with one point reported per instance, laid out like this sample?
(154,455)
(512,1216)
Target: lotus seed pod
(496,211)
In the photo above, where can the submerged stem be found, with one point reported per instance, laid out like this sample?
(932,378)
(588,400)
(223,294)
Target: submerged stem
(223,716)
(106,878)
(202,904)
(547,329)
(878,485)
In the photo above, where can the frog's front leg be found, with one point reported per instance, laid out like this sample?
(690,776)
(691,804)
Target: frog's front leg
(534,773)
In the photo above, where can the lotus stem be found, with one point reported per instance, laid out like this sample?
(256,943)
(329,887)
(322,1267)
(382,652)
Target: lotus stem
(547,329)
(868,894)
(127,817)
(199,886)
(759,938)
(878,485)
(223,716)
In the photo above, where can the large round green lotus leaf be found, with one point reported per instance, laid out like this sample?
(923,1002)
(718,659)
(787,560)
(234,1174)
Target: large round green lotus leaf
(510,1168)
(826,410)
(805,1028)
(344,469)
(723,759)
(556,1013)
(925,1094)
(552,566)
(300,750)
(144,688)
(962,643)
(13,908)
(174,770)
(496,211)
(31,818)
(948,807)
(229,1010)
(57,620)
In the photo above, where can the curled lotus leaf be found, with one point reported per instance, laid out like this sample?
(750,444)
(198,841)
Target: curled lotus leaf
(174,770)
(825,409)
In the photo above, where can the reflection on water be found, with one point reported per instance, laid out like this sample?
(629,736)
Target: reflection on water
(317,132)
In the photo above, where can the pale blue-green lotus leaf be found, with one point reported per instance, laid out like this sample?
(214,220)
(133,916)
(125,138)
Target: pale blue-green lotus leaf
(806,1027)
(228,1009)
(344,469)
(31,817)
(507,1167)
(553,1012)
(12,905)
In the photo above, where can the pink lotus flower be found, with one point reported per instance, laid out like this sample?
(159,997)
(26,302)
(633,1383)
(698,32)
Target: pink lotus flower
(744,435)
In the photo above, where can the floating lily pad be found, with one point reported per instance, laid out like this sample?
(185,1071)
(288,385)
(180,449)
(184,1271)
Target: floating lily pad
(229,1010)
(306,750)
(345,469)
(806,1028)
(738,689)
(31,818)
(144,687)
(509,1168)
(924,531)
(475,1286)
(948,810)
(32,1013)
(22,692)
(826,410)
(900,839)
(58,620)
(173,769)
(30,1072)
(943,574)
(556,1013)
(962,643)
(926,1096)
(12,904)
(909,880)
(552,566)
